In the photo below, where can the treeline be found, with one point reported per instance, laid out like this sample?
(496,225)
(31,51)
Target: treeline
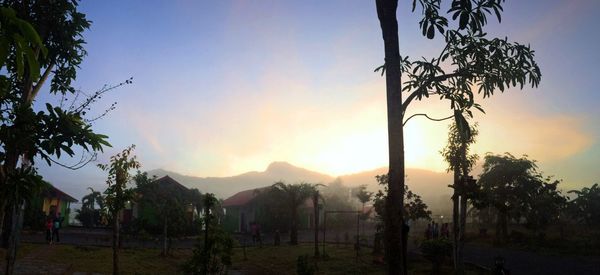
(511,190)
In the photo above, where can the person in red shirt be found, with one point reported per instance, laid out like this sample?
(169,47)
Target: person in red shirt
(49,226)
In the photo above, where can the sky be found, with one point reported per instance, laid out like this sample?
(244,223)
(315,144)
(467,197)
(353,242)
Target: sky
(225,87)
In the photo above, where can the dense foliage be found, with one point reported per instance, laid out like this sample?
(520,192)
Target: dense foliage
(92,209)
(585,208)
(212,253)
(117,195)
(414,207)
(164,208)
(516,190)
(292,197)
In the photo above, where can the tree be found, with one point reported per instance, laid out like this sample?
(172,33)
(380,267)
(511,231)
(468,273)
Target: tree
(316,196)
(293,196)
(117,194)
(212,254)
(363,195)
(460,162)
(502,186)
(36,37)
(168,205)
(88,215)
(414,206)
(543,204)
(476,62)
(585,208)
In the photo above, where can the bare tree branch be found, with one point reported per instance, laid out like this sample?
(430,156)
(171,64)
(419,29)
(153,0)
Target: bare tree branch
(428,117)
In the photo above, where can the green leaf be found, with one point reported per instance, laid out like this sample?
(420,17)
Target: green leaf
(34,66)
(29,32)
(431,32)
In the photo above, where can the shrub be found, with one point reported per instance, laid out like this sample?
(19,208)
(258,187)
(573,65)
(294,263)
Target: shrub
(303,266)
(436,251)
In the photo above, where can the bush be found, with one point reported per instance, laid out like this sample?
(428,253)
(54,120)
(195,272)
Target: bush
(303,266)
(436,251)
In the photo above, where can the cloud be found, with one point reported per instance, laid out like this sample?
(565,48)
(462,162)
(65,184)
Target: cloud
(547,137)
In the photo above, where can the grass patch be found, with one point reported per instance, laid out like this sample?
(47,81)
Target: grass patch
(92,259)
(23,250)
(339,260)
(132,261)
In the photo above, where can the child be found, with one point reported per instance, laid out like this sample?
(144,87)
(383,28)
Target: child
(49,225)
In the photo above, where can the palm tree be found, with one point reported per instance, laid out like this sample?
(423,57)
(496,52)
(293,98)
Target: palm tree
(363,196)
(293,195)
(88,215)
(90,200)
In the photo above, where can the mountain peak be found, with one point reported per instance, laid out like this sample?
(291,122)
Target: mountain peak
(279,165)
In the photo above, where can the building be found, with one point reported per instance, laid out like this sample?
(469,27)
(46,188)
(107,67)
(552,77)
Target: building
(170,187)
(55,201)
(244,208)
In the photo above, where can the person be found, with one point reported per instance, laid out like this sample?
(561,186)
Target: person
(258,237)
(428,232)
(253,229)
(49,225)
(57,222)
(446,230)
(277,239)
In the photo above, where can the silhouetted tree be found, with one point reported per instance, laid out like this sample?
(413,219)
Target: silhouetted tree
(363,195)
(293,196)
(167,204)
(88,215)
(501,186)
(542,204)
(414,206)
(476,62)
(42,41)
(585,208)
(212,253)
(316,196)
(460,162)
(117,195)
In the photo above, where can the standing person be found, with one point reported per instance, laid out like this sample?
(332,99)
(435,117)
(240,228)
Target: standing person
(447,230)
(258,237)
(253,229)
(428,232)
(49,225)
(56,227)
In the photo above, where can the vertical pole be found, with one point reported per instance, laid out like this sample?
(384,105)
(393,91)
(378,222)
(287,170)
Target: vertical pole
(324,229)
(357,234)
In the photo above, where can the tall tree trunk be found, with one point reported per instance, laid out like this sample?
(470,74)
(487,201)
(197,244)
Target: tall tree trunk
(14,238)
(501,225)
(3,210)
(115,244)
(165,250)
(395,252)
(294,227)
(463,230)
(456,219)
(463,206)
(505,227)
(316,222)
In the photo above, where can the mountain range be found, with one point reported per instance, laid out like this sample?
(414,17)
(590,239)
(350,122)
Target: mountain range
(431,186)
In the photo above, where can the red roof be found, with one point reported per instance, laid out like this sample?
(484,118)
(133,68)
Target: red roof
(243,197)
(53,192)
